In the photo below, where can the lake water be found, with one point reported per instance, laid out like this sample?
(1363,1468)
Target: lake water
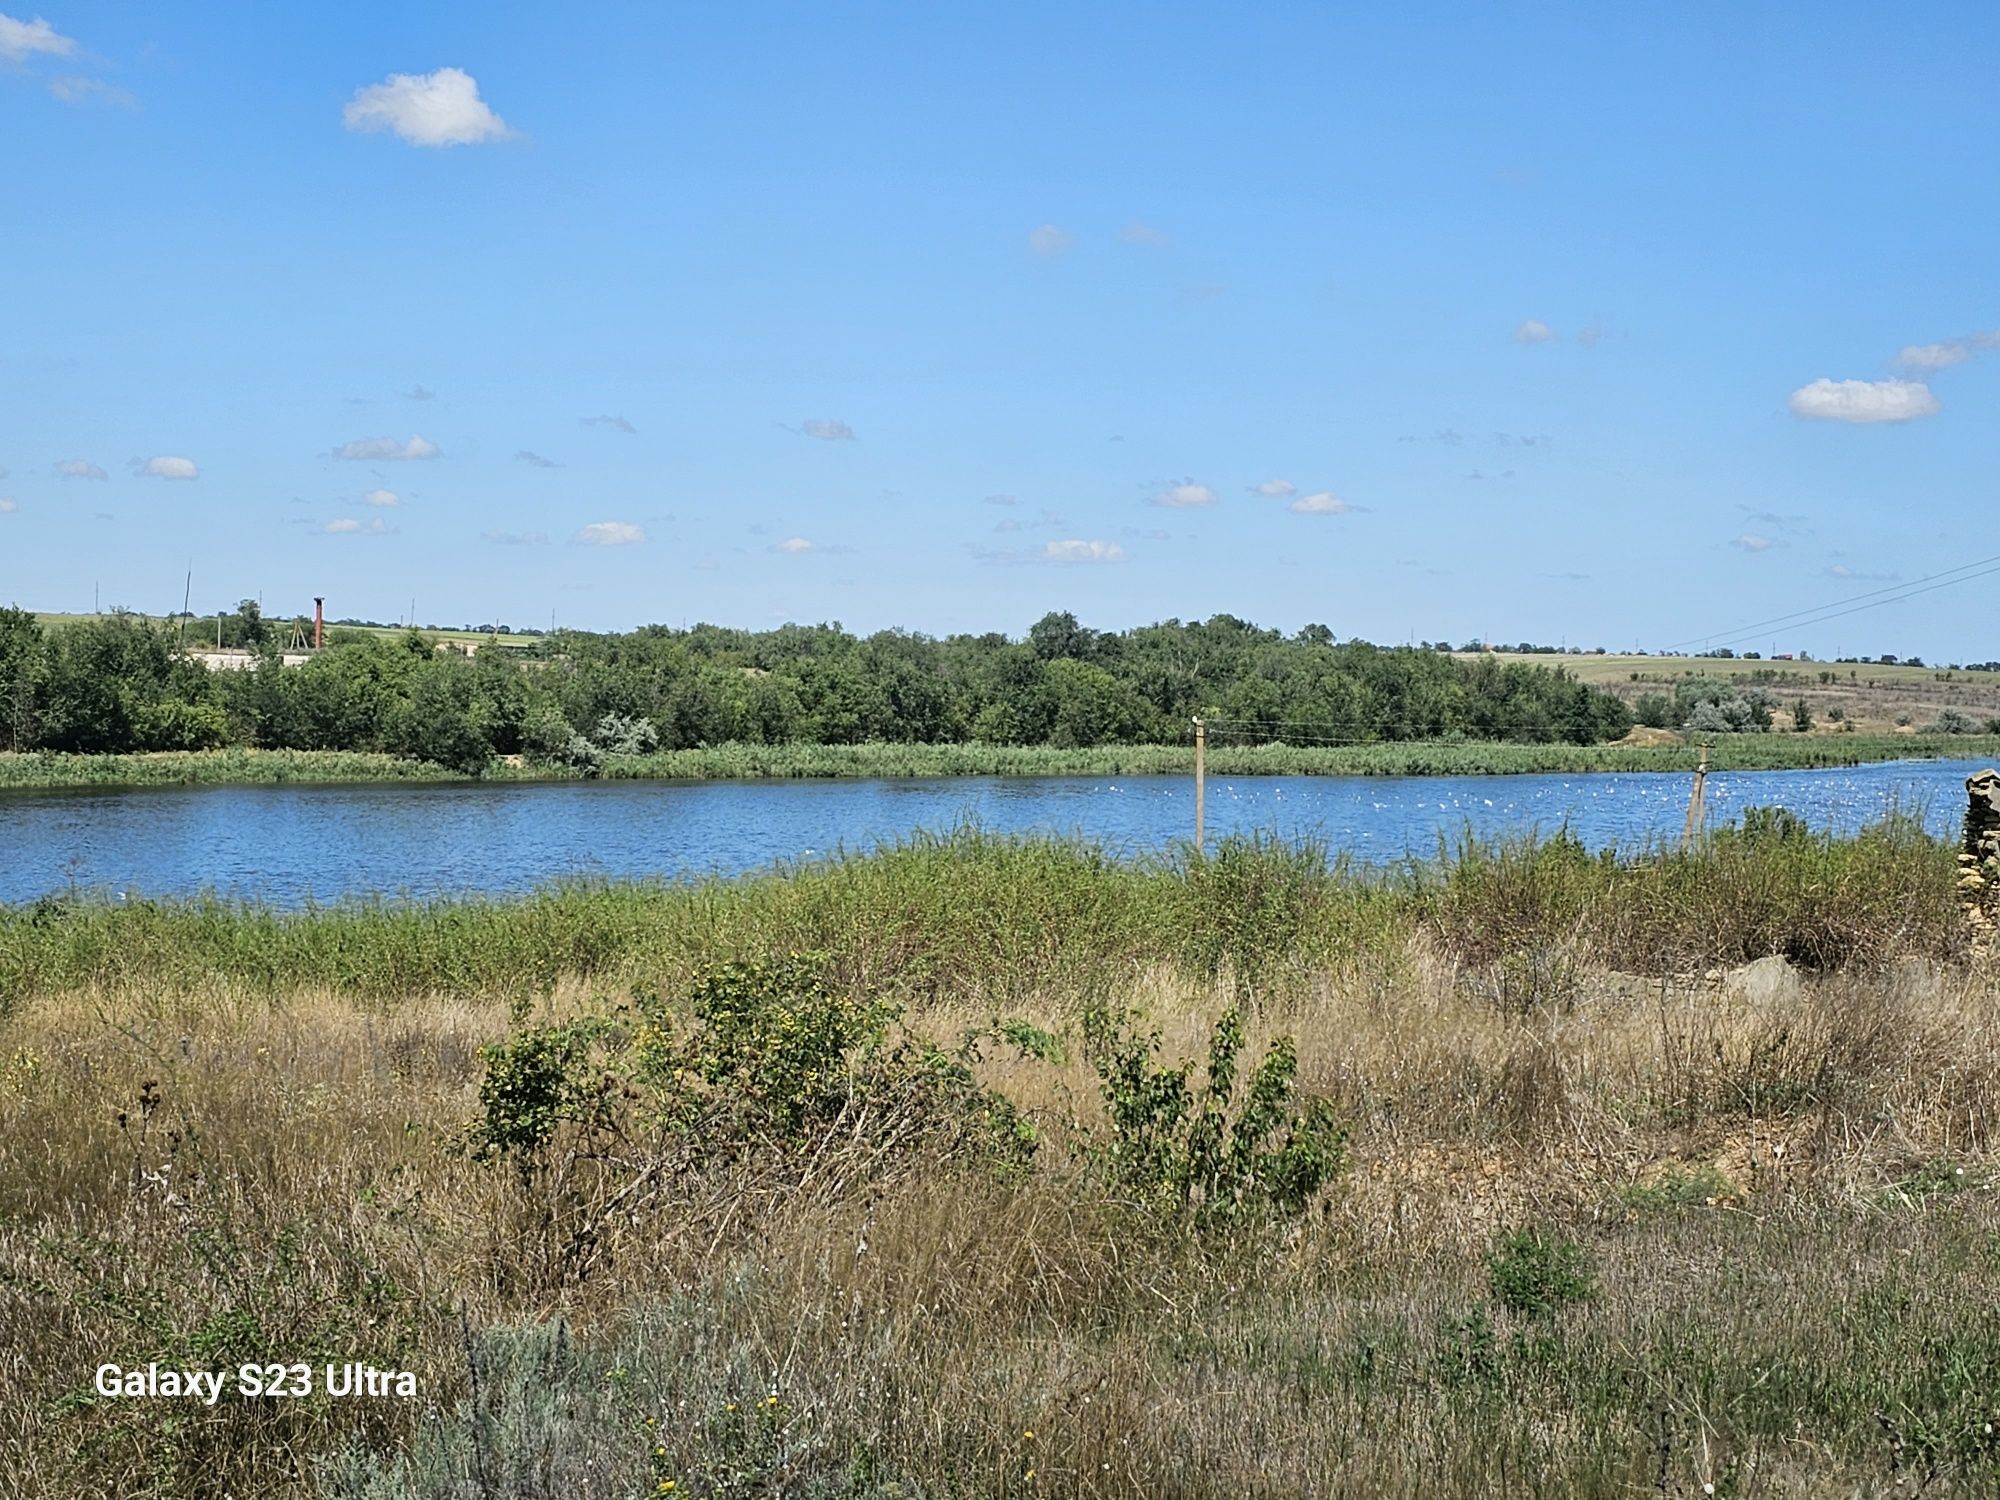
(287,844)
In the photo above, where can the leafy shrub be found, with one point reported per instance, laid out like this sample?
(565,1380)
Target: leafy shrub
(1533,1272)
(1952,721)
(1779,823)
(1212,1151)
(1654,710)
(600,1115)
(624,734)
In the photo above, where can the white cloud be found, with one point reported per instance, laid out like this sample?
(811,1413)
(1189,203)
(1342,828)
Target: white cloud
(388,450)
(1083,552)
(382,499)
(797,546)
(1533,331)
(1185,495)
(535,460)
(1047,240)
(1949,352)
(1142,234)
(990,499)
(166,466)
(611,534)
(77,468)
(1863,401)
(1323,503)
(1275,489)
(827,431)
(618,424)
(8,507)
(20,40)
(1751,542)
(514,538)
(426,109)
(348,526)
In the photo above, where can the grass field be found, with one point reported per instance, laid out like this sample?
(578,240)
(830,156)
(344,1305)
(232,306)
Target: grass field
(761,762)
(1876,698)
(1585,1218)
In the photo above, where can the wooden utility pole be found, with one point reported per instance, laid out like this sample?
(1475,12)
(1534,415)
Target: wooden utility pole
(1200,777)
(1697,801)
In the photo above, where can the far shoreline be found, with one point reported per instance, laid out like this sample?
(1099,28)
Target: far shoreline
(53,771)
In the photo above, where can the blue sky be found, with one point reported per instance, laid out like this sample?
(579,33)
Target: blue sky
(1613,326)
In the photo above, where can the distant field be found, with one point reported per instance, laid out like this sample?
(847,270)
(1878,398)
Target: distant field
(1876,699)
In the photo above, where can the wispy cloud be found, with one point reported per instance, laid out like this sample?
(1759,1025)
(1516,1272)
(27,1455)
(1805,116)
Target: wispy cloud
(1948,352)
(77,468)
(426,109)
(388,450)
(826,430)
(611,534)
(795,546)
(420,393)
(514,538)
(167,466)
(990,499)
(1142,234)
(535,460)
(71,89)
(21,40)
(8,507)
(1077,551)
(616,424)
(382,499)
(1069,552)
(1323,503)
(1048,241)
(1863,401)
(1787,524)
(1590,337)
(1275,489)
(1751,541)
(1533,331)
(1849,575)
(348,526)
(1186,495)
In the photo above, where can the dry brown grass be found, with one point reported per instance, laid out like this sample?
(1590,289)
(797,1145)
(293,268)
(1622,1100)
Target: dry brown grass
(290,1191)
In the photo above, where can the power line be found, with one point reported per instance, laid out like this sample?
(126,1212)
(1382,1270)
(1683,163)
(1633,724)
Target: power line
(1796,617)
(1832,613)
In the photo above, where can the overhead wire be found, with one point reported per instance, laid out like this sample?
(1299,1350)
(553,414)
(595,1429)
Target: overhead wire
(1853,604)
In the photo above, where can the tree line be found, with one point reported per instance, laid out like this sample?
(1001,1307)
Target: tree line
(123,684)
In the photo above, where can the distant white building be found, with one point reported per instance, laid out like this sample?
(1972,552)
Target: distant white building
(243,661)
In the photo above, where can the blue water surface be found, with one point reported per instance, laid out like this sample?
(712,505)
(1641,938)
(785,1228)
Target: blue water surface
(288,844)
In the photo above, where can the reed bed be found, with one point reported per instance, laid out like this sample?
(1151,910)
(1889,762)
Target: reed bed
(745,762)
(975,913)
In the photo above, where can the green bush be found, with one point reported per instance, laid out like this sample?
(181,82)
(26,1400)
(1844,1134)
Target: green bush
(1534,1272)
(1209,1151)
